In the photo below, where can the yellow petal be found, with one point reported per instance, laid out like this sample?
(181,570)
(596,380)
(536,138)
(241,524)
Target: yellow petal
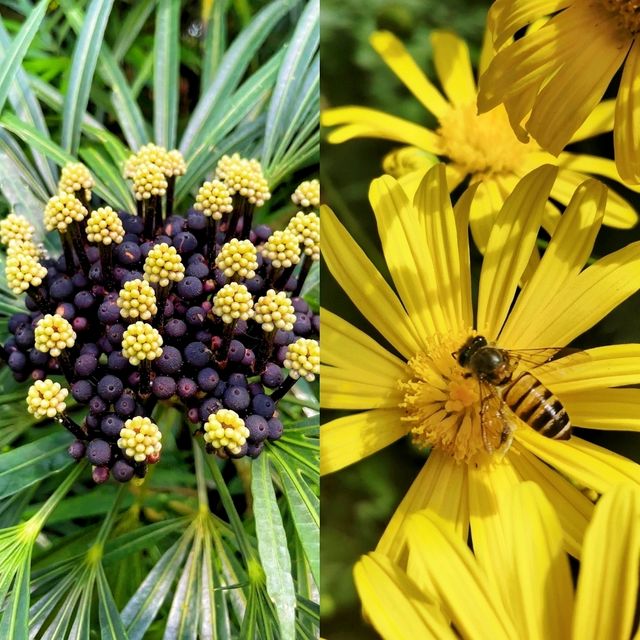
(464,591)
(592,466)
(574,509)
(626,135)
(342,389)
(608,409)
(393,52)
(600,120)
(347,440)
(440,487)
(594,165)
(486,205)
(362,122)
(368,290)
(411,181)
(462,212)
(393,603)
(543,601)
(487,52)
(511,242)
(566,255)
(453,66)
(608,582)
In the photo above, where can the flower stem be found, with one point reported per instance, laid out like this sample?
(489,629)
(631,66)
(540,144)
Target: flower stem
(67,247)
(171,186)
(283,389)
(247,220)
(158,218)
(76,237)
(145,378)
(149,217)
(106,260)
(265,350)
(49,506)
(72,426)
(211,242)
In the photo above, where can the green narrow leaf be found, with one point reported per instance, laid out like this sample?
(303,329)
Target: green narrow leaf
(15,53)
(165,73)
(136,18)
(215,40)
(83,65)
(111,627)
(22,165)
(272,545)
(26,465)
(15,617)
(120,194)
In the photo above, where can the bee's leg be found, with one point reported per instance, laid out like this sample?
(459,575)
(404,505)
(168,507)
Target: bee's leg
(485,401)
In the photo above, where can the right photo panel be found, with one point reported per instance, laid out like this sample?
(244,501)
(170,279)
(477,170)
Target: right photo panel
(480,390)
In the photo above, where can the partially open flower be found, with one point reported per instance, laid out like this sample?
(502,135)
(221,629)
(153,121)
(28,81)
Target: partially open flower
(149,180)
(23,271)
(307,194)
(238,258)
(306,226)
(163,265)
(233,302)
(140,439)
(54,334)
(275,311)
(282,249)
(137,299)
(303,359)
(244,177)
(214,199)
(46,398)
(15,227)
(76,178)
(226,429)
(141,342)
(105,227)
(62,210)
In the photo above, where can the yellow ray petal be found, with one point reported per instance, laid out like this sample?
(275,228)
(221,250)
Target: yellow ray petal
(486,205)
(511,242)
(487,52)
(600,120)
(453,66)
(566,255)
(608,409)
(543,601)
(585,299)
(435,213)
(393,52)
(352,438)
(462,212)
(411,181)
(592,466)
(610,366)
(626,135)
(369,291)
(608,581)
(459,583)
(342,389)
(441,488)
(574,509)
(363,122)
(394,604)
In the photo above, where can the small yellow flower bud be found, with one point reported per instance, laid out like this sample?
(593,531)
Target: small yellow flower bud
(46,398)
(17,248)
(244,177)
(163,265)
(75,177)
(214,200)
(104,226)
(233,302)
(225,428)
(307,194)
(148,154)
(282,249)
(62,210)
(176,163)
(141,342)
(303,359)
(275,311)
(54,334)
(306,227)
(15,227)
(140,439)
(238,258)
(149,180)
(23,271)
(137,299)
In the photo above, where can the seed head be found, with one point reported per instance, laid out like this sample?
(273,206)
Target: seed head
(303,359)
(53,334)
(163,265)
(306,227)
(244,177)
(62,210)
(46,398)
(140,439)
(149,180)
(141,342)
(238,258)
(137,299)
(225,428)
(74,178)
(104,226)
(214,199)
(15,227)
(23,271)
(307,194)
(275,311)
(282,248)
(233,302)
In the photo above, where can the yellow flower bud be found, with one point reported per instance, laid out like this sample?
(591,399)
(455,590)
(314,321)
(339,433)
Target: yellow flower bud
(104,226)
(307,194)
(233,302)
(137,299)
(54,334)
(238,258)
(275,311)
(214,200)
(46,398)
(140,439)
(15,227)
(141,341)
(303,359)
(225,428)
(163,265)
(282,249)
(62,210)
(244,177)
(306,227)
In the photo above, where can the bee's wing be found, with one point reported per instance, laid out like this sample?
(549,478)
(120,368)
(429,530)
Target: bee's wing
(533,358)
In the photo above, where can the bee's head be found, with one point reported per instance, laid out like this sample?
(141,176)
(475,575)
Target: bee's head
(466,351)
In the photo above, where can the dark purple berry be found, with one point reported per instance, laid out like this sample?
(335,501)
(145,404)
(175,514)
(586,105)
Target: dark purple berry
(38,374)
(16,320)
(272,376)
(175,328)
(97,405)
(236,398)
(208,379)
(236,351)
(86,364)
(302,325)
(100,475)
(315,323)
(17,361)
(263,231)
(263,405)
(84,300)
(99,452)
(125,405)
(190,287)
(258,428)
(77,450)
(114,334)
(300,305)
(80,281)
(254,450)
(220,389)
(111,425)
(90,348)
(163,239)
(95,273)
(92,422)
(82,391)
(204,336)
(255,388)
(110,388)
(61,288)
(122,471)
(80,324)
(117,362)
(187,388)
(170,361)
(237,380)
(197,355)
(255,284)
(195,270)
(133,224)
(109,312)
(209,406)
(196,221)
(275,428)
(30,303)
(163,387)
(128,253)
(93,253)
(185,242)
(38,358)
(283,338)
(25,336)
(195,316)
(249,359)
(174,225)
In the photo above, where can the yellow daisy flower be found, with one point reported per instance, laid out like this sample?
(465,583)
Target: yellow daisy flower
(418,386)
(524,589)
(478,148)
(554,77)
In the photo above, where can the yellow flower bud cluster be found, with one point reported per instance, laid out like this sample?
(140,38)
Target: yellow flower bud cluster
(274,311)
(23,271)
(171,163)
(46,398)
(163,265)
(303,359)
(75,177)
(282,249)
(104,226)
(307,194)
(137,299)
(53,334)
(244,176)
(306,227)
(140,439)
(238,258)
(177,165)
(17,248)
(149,180)
(141,341)
(233,302)
(62,210)
(225,428)
(15,227)
(214,200)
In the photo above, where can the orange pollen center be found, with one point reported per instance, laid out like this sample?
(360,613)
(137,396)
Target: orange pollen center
(484,145)
(628,12)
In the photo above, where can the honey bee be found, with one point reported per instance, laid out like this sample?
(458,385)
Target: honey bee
(524,395)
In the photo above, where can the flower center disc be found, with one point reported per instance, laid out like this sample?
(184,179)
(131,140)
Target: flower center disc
(484,144)
(442,403)
(628,12)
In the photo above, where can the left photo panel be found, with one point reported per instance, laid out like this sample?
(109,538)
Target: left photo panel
(159,319)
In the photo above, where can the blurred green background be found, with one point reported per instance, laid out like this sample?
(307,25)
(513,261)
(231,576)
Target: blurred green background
(358,502)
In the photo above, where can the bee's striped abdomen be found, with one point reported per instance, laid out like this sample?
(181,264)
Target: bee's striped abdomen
(534,404)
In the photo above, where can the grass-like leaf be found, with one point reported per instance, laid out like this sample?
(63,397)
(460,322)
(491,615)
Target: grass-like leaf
(215,42)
